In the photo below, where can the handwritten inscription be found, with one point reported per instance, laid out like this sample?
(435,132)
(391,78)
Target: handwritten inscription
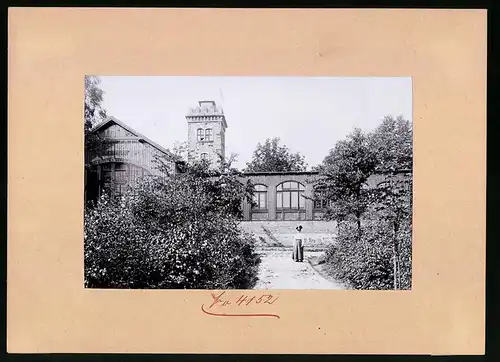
(224,304)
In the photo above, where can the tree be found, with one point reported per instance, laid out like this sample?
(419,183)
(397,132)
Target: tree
(379,257)
(344,173)
(271,157)
(393,203)
(392,142)
(221,189)
(94,113)
(181,149)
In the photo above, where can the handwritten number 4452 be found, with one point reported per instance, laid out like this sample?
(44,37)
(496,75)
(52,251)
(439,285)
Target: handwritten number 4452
(243,300)
(266,299)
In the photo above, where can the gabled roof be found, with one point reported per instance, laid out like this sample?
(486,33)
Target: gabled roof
(112,120)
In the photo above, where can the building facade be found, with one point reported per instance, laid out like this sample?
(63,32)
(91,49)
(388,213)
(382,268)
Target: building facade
(282,196)
(287,196)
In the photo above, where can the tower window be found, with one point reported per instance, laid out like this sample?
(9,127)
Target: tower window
(204,156)
(209,136)
(199,134)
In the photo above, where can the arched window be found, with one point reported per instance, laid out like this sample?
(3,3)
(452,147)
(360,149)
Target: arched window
(199,134)
(209,136)
(204,156)
(290,195)
(260,197)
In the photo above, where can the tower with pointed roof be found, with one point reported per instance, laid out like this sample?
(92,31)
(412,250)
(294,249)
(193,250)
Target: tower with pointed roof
(206,132)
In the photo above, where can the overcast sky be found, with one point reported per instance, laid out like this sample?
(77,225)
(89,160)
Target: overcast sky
(309,114)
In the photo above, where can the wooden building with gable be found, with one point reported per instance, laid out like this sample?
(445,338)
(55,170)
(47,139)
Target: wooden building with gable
(126,157)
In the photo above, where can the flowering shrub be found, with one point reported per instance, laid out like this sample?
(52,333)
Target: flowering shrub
(368,263)
(176,232)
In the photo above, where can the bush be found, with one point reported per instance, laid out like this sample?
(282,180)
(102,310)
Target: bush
(367,183)
(367,263)
(169,233)
(405,253)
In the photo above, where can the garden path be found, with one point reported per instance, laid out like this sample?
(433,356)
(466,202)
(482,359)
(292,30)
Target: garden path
(279,271)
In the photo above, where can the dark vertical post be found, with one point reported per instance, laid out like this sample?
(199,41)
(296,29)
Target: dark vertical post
(271,192)
(308,202)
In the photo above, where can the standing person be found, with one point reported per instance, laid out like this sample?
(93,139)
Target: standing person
(298,248)
(302,244)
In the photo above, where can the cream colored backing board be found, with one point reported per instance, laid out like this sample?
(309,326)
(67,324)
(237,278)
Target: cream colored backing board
(50,51)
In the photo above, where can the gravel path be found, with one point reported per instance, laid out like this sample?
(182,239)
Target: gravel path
(279,271)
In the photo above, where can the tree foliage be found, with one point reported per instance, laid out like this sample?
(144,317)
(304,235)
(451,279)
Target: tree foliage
(94,113)
(345,172)
(368,180)
(392,144)
(175,231)
(272,157)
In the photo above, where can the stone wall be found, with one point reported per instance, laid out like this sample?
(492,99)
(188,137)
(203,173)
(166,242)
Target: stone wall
(318,234)
(299,213)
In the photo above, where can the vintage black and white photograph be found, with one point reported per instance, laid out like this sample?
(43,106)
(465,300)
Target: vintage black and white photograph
(248,182)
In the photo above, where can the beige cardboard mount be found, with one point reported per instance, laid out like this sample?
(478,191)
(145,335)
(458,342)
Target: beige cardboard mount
(50,51)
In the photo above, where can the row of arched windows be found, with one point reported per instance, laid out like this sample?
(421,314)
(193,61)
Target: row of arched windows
(289,195)
(206,135)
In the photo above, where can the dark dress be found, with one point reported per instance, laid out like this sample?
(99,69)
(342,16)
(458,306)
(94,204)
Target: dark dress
(298,248)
